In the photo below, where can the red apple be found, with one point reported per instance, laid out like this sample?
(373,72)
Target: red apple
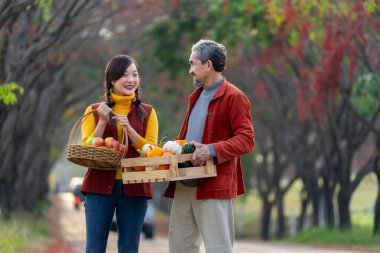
(113,144)
(107,140)
(98,142)
(121,148)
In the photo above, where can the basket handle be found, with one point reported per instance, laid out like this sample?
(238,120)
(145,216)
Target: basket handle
(75,131)
(75,127)
(124,139)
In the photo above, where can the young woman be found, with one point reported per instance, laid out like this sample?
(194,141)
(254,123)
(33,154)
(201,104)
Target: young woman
(105,192)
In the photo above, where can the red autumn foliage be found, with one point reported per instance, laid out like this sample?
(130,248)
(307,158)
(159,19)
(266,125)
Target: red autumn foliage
(289,13)
(260,88)
(327,64)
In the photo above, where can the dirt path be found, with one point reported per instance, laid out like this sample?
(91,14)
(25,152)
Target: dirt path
(72,228)
(58,244)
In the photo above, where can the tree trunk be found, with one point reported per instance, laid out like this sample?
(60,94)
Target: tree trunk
(376,170)
(376,227)
(265,219)
(314,192)
(310,193)
(304,202)
(328,193)
(344,197)
(280,215)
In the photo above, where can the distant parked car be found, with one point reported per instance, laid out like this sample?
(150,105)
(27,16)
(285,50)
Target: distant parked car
(149,222)
(75,187)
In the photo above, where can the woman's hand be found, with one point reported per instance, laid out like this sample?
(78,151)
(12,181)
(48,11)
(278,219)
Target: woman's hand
(122,120)
(103,112)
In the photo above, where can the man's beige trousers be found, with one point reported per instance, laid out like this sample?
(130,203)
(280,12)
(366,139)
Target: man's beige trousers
(192,220)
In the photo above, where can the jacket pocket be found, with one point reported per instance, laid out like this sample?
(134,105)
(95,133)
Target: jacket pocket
(223,180)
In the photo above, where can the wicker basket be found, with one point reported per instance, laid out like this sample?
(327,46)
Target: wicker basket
(93,157)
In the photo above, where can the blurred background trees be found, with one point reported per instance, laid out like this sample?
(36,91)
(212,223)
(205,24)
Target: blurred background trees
(42,44)
(310,69)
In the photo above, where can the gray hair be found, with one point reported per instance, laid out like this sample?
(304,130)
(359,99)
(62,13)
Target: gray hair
(213,51)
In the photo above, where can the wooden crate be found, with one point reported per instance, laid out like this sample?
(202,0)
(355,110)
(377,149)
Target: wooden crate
(153,174)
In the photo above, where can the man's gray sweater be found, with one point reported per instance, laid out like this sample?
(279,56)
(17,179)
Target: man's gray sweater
(197,121)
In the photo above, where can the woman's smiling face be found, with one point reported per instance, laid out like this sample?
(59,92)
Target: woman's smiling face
(128,83)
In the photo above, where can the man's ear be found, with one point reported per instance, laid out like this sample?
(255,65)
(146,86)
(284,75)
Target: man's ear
(209,65)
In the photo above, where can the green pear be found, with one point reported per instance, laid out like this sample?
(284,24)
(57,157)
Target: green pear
(90,140)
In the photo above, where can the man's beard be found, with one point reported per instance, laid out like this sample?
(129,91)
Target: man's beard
(197,83)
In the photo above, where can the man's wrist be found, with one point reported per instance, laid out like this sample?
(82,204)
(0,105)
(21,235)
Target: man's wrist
(212,150)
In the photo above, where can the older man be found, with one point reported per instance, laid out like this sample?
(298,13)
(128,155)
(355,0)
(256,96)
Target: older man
(219,123)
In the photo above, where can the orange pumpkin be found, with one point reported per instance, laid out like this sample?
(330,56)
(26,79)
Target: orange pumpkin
(155,151)
(165,166)
(182,142)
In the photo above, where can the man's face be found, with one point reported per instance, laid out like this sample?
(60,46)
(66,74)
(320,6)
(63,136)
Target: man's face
(197,70)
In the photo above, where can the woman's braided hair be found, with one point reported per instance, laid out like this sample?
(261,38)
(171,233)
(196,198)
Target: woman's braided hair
(114,70)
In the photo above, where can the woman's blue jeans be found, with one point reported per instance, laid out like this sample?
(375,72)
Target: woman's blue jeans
(130,213)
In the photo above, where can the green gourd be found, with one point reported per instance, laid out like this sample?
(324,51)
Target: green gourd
(188,148)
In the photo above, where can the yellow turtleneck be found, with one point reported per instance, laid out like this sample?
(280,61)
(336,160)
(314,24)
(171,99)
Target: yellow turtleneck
(122,107)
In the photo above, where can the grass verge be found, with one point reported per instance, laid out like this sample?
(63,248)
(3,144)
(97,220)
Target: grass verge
(21,233)
(248,217)
(358,237)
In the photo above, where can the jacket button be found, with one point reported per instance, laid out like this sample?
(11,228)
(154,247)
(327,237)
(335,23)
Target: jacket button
(210,114)
(109,187)
(210,131)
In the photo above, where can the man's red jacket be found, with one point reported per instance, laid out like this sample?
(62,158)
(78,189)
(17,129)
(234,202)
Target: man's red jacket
(229,128)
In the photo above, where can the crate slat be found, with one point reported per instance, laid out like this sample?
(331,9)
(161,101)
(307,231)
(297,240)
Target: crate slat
(139,175)
(194,176)
(147,161)
(184,157)
(153,174)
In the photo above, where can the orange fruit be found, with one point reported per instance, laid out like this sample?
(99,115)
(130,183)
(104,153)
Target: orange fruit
(139,168)
(165,166)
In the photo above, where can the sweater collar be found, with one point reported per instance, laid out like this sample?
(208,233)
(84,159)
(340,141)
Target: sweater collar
(212,88)
(195,94)
(122,101)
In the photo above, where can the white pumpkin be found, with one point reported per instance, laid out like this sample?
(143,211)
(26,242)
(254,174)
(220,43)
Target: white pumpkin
(146,148)
(172,146)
